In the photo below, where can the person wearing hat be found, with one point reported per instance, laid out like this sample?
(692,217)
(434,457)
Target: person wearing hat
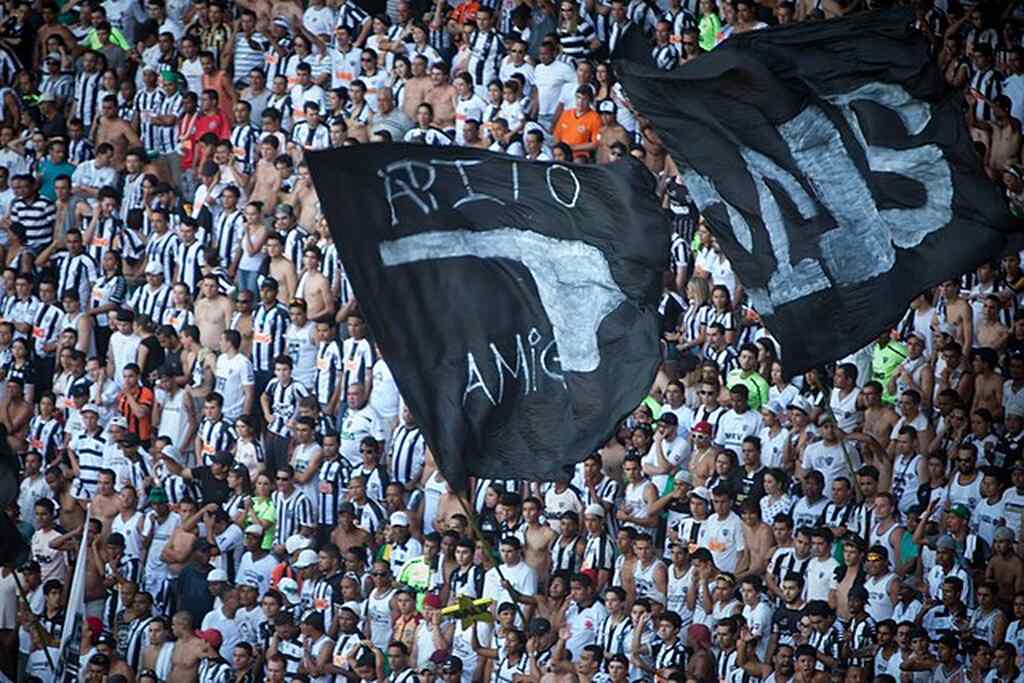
(667,453)
(257,563)
(598,546)
(401,546)
(1007,568)
(946,567)
(883,586)
(610,131)
(451,669)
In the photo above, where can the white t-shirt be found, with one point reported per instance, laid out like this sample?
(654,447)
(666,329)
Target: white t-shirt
(733,428)
(820,578)
(830,461)
(228,628)
(724,538)
(124,348)
(521,577)
(549,79)
(301,345)
(470,108)
(384,397)
(359,424)
(232,376)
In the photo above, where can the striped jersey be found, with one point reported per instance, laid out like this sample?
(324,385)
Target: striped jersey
(88,449)
(167,136)
(227,235)
(163,249)
(147,104)
(38,215)
(46,437)
(104,232)
(334,475)
(87,96)
(408,455)
(268,328)
(190,261)
(284,402)
(358,357)
(151,302)
(292,513)
(76,274)
(328,367)
(216,436)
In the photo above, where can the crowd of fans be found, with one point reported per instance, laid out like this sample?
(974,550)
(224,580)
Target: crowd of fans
(188,378)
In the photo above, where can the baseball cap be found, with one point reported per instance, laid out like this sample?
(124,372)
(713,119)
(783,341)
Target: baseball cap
(120,421)
(171,451)
(594,510)
(212,636)
(946,542)
(216,575)
(399,518)
(346,507)
(684,477)
(452,665)
(255,529)
(269,283)
(289,589)
(295,543)
(657,596)
(1004,533)
(432,600)
(702,427)
(702,493)
(607,106)
(91,408)
(799,403)
(307,558)
(961,511)
(53,57)
(669,418)
(46,97)
(282,22)
(538,626)
(157,495)
(106,638)
(129,440)
(154,268)
(248,583)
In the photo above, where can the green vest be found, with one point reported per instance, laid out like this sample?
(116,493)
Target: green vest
(757,387)
(416,574)
(884,361)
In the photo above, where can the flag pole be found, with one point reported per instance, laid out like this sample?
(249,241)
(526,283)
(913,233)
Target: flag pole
(490,551)
(35,622)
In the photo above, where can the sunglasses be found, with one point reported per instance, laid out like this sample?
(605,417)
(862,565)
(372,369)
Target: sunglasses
(378,574)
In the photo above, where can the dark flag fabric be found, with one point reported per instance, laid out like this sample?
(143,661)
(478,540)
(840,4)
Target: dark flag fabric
(515,302)
(15,550)
(833,165)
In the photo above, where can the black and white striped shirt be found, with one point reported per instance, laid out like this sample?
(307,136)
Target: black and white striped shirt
(106,229)
(468,581)
(38,215)
(334,475)
(681,20)
(76,274)
(293,513)
(243,142)
(46,328)
(46,437)
(352,17)
(486,50)
(163,249)
(599,553)
(216,436)
(666,57)
(147,104)
(305,135)
(190,260)
(408,454)
(615,637)
(370,515)
(990,84)
(674,656)
(87,96)
(576,45)
(284,401)
(88,450)
(227,235)
(268,328)
(9,65)
(214,670)
(328,367)
(295,243)
(249,53)
(167,136)
(151,302)
(80,150)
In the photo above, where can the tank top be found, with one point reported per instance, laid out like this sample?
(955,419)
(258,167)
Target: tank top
(318,646)
(432,492)
(172,419)
(634,503)
(983,626)
(884,538)
(378,611)
(968,495)
(879,605)
(300,346)
(301,458)
(644,578)
(906,481)
(678,587)
(250,261)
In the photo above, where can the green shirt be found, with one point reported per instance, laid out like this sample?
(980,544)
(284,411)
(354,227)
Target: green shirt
(757,387)
(417,575)
(884,361)
(264,509)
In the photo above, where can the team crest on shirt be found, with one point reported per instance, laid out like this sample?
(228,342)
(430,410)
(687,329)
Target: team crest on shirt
(828,461)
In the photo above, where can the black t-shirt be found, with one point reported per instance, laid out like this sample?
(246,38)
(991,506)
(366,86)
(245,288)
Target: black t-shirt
(786,624)
(213,490)
(172,362)
(155,357)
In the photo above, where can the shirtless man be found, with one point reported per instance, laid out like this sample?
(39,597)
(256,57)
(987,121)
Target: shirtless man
(15,413)
(313,287)
(958,315)
(105,504)
(188,650)
(213,312)
(853,574)
(447,507)
(281,269)
(539,537)
(992,333)
(610,132)
(112,129)
(306,199)
(179,547)
(159,639)
(72,511)
(441,97)
(346,534)
(988,386)
(241,321)
(1004,134)
(759,539)
(266,181)
(879,419)
(416,86)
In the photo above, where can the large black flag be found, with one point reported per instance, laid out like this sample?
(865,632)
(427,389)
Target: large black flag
(515,301)
(834,167)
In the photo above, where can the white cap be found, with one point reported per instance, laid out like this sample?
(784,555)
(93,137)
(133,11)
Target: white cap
(120,421)
(154,268)
(171,451)
(594,510)
(295,543)
(90,408)
(399,518)
(657,596)
(289,589)
(307,558)
(248,583)
(217,575)
(254,529)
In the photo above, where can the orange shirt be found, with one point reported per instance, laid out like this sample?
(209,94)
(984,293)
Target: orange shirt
(142,426)
(577,130)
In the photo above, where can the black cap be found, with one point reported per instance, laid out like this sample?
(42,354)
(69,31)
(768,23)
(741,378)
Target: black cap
(538,626)
(79,390)
(669,418)
(452,665)
(347,507)
(130,439)
(269,283)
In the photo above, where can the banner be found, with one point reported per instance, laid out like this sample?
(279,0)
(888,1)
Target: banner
(515,302)
(71,637)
